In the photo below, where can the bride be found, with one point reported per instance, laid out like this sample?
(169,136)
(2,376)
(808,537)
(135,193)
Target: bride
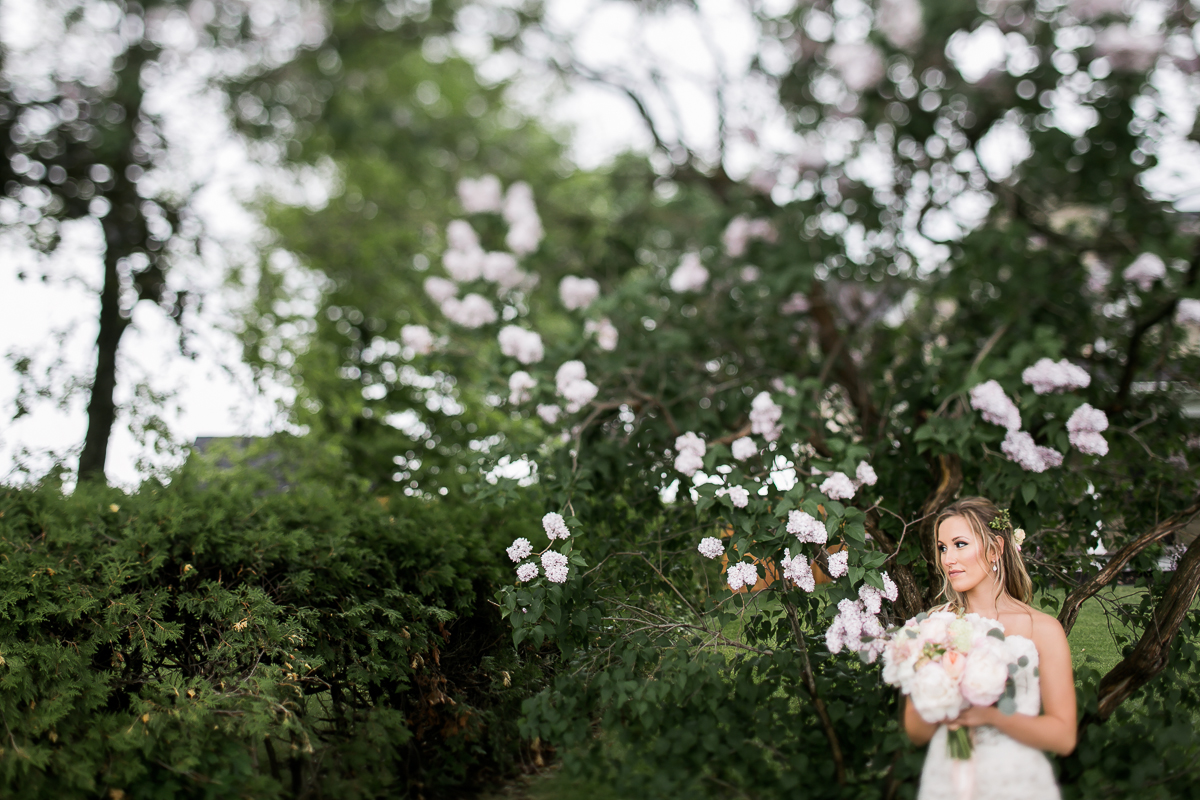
(983,573)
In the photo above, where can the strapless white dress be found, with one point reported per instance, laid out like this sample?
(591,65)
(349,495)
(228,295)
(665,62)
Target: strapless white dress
(1001,768)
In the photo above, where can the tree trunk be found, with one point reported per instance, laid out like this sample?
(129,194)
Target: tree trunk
(1074,601)
(102,411)
(1153,650)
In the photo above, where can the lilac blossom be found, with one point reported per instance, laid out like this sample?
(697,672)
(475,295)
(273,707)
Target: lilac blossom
(464,265)
(739,496)
(417,338)
(480,195)
(501,268)
(865,474)
(556,526)
(525,226)
(806,527)
(901,22)
(1021,449)
(473,311)
(440,289)
(837,487)
(523,345)
(742,230)
(689,276)
(872,598)
(743,448)
(859,64)
(741,574)
(604,331)
(527,572)
(555,565)
(520,549)
(577,293)
(461,236)
(993,404)
(549,413)
(1084,429)
(573,385)
(1187,312)
(1098,272)
(764,417)
(889,587)
(690,450)
(711,547)
(839,563)
(1047,376)
(519,384)
(1145,270)
(797,303)
(797,570)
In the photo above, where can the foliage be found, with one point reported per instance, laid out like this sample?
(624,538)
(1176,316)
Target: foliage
(219,637)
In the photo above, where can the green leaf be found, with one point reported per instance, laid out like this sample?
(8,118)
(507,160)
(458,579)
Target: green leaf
(1007,706)
(1029,492)
(997,633)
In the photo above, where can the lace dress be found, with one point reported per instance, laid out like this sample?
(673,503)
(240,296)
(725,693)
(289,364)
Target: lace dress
(1001,768)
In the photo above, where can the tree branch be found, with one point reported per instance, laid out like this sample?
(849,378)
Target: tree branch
(810,686)
(844,370)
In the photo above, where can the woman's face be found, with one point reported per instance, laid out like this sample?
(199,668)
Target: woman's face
(962,555)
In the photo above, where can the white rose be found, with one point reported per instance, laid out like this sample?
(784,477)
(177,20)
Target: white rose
(987,670)
(935,694)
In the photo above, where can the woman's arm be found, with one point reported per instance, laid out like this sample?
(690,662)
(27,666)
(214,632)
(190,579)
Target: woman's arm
(919,731)
(1054,730)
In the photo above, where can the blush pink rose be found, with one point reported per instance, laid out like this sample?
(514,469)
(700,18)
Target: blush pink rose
(954,663)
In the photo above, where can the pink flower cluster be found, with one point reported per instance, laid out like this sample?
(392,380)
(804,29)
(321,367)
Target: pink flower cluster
(710,547)
(440,289)
(797,569)
(764,417)
(689,449)
(473,311)
(1084,429)
(741,574)
(523,345)
(689,276)
(519,385)
(555,565)
(604,331)
(838,486)
(520,549)
(524,225)
(850,626)
(742,230)
(417,338)
(839,563)
(1145,270)
(527,572)
(573,385)
(577,293)
(482,195)
(992,403)
(806,527)
(738,495)
(1020,448)
(1047,376)
(555,526)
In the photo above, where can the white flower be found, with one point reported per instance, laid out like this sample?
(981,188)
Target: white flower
(461,236)
(688,463)
(549,413)
(872,598)
(472,311)
(501,268)
(418,338)
(901,22)
(710,547)
(839,563)
(741,230)
(764,417)
(1084,427)
(578,394)
(1145,270)
(480,195)
(935,694)
(838,487)
(797,303)
(741,574)
(1047,376)
(556,526)
(860,65)
(525,346)
(806,527)
(739,496)
(993,404)
(690,449)
(1126,50)
(743,448)
(689,276)
(519,384)
(524,238)
(865,474)
(1187,312)
(525,227)
(568,373)
(439,289)
(604,331)
(577,293)
(835,635)
(986,672)
(527,572)
(520,548)
(797,570)
(555,565)
(464,265)
(1020,448)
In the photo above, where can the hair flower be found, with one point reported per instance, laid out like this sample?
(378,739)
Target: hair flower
(1018,537)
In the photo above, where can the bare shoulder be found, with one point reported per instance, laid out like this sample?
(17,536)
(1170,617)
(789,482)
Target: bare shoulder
(1048,632)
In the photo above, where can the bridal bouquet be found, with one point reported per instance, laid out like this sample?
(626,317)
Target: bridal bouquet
(947,662)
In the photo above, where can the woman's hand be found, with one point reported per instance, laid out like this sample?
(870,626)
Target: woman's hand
(973,717)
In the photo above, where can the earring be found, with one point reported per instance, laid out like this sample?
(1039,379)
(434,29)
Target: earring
(995,567)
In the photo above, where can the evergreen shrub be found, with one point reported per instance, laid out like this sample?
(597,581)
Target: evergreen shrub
(224,638)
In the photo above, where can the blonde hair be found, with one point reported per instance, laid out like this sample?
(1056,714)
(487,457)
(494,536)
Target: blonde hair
(1011,578)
